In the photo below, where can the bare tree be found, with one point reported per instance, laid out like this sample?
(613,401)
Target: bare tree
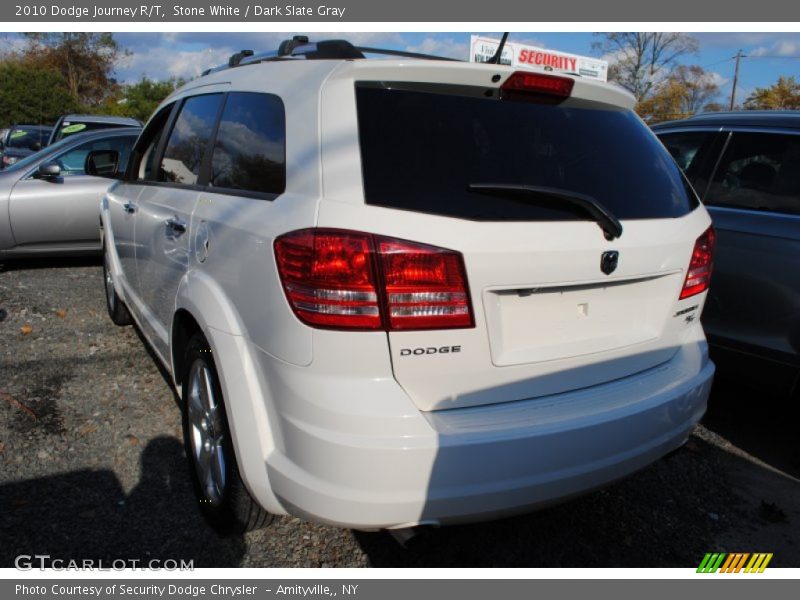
(699,87)
(640,59)
(685,91)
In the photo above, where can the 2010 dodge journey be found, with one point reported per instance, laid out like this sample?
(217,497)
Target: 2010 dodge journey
(407,291)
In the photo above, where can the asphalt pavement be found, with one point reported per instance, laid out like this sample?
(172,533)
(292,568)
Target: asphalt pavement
(92,466)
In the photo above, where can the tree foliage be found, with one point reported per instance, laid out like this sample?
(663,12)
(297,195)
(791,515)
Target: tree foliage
(139,100)
(783,95)
(640,59)
(686,91)
(85,60)
(32,95)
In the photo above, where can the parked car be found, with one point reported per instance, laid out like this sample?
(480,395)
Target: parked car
(3,134)
(746,167)
(410,292)
(71,124)
(49,205)
(21,141)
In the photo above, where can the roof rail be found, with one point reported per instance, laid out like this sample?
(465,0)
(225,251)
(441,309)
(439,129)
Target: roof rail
(300,47)
(235,59)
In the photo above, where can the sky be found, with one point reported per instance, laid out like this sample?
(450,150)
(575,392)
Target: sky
(185,54)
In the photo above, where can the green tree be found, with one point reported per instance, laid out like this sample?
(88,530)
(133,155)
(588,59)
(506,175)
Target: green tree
(783,95)
(664,104)
(86,60)
(139,100)
(714,107)
(639,59)
(32,95)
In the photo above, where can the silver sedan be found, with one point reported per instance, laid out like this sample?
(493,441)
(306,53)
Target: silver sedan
(49,205)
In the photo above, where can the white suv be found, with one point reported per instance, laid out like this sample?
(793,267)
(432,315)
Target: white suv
(401,292)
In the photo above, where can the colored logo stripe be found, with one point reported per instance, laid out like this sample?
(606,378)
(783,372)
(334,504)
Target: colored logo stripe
(758,563)
(711,562)
(733,563)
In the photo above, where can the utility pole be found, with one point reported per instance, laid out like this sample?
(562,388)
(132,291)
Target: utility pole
(738,57)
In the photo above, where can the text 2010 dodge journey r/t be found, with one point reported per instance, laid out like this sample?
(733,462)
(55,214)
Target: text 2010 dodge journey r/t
(403,291)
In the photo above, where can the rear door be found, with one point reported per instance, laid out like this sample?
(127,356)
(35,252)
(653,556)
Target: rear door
(165,210)
(557,305)
(64,210)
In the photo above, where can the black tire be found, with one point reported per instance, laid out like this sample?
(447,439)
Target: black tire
(116,307)
(227,506)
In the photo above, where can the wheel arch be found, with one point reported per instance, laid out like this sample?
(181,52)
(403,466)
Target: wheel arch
(202,306)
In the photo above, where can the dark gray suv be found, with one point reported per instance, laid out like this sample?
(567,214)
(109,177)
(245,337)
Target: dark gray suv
(746,168)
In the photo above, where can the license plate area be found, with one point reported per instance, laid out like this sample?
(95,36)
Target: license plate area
(537,324)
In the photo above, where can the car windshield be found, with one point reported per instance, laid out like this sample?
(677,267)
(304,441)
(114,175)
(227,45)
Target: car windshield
(27,137)
(72,127)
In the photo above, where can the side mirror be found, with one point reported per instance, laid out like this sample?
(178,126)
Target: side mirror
(49,171)
(102,163)
(36,146)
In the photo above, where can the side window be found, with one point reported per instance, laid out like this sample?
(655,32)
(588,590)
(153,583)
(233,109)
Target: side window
(759,171)
(187,142)
(72,161)
(143,166)
(695,152)
(250,147)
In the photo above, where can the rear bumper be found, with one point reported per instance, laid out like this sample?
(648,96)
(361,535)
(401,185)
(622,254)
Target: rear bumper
(387,471)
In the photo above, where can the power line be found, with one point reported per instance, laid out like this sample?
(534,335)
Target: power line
(719,62)
(793,56)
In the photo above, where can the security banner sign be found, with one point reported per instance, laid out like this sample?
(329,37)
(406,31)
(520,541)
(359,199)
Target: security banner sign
(522,55)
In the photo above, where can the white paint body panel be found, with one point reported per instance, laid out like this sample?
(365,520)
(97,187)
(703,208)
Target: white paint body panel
(340,427)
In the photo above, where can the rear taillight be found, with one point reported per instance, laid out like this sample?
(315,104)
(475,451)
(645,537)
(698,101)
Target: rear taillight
(522,85)
(425,286)
(329,278)
(698,276)
(351,280)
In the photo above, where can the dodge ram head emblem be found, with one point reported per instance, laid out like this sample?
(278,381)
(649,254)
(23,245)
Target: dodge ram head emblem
(609,261)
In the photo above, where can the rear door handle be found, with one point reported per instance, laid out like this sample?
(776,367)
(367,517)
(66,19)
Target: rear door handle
(176,225)
(129,208)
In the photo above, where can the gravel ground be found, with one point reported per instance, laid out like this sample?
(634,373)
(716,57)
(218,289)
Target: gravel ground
(91,466)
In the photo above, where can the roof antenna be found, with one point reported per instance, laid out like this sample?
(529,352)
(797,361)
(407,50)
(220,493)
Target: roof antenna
(495,60)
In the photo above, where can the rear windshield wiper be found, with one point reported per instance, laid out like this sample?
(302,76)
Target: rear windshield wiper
(610,225)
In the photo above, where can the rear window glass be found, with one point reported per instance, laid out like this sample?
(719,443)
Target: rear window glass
(420,151)
(250,145)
